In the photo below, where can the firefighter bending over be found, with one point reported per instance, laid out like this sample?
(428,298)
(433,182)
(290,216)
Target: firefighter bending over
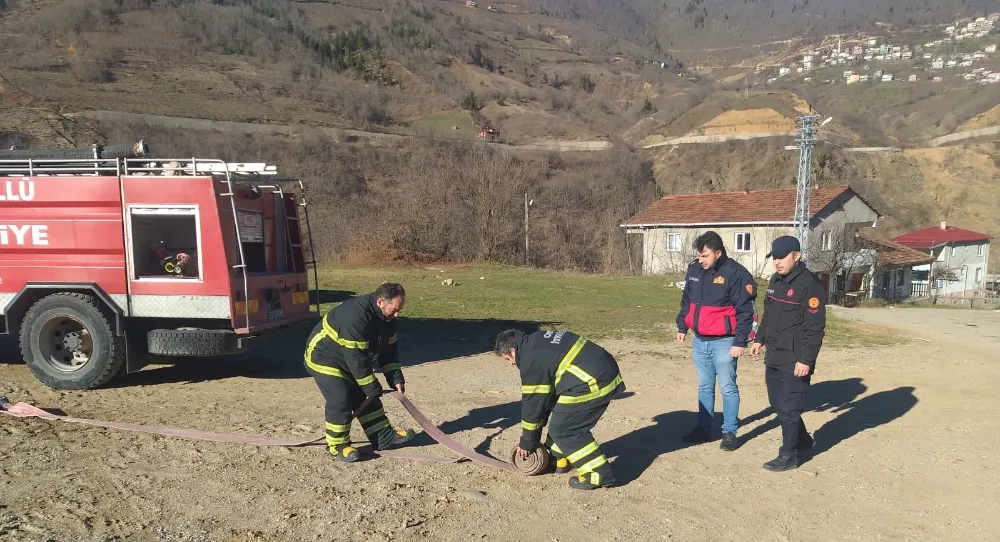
(574,380)
(340,355)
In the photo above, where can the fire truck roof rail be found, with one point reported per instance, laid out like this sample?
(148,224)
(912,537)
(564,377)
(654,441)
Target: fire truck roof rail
(196,166)
(59,167)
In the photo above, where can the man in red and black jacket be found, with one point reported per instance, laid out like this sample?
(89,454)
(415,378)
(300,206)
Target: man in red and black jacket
(718,306)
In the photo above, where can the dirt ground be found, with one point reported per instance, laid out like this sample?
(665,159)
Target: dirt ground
(905,450)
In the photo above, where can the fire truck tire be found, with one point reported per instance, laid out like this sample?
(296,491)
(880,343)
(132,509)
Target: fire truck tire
(68,342)
(192,342)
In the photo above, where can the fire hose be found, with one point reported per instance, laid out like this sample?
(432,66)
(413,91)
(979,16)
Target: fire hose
(534,464)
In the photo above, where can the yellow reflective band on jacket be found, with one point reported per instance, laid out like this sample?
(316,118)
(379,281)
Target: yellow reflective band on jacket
(531,426)
(346,343)
(392,339)
(568,358)
(539,388)
(326,369)
(576,399)
(365,380)
(392,367)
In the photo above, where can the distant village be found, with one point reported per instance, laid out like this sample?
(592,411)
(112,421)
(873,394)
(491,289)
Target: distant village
(925,57)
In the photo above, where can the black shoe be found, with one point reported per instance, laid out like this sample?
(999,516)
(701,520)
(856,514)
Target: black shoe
(805,443)
(729,442)
(347,454)
(583,482)
(697,435)
(394,438)
(781,464)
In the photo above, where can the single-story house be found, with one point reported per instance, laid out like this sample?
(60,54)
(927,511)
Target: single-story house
(891,276)
(960,259)
(748,221)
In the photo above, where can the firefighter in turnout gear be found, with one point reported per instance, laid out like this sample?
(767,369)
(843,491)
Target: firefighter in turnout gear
(340,356)
(572,379)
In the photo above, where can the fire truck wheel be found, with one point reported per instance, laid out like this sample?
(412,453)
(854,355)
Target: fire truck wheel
(68,342)
(192,342)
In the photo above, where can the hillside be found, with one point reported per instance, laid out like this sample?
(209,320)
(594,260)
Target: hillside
(372,100)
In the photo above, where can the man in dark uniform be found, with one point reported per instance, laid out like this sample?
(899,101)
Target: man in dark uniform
(792,329)
(718,306)
(340,356)
(574,380)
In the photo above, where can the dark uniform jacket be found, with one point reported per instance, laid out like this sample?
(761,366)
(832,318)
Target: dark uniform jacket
(794,319)
(718,301)
(350,339)
(561,371)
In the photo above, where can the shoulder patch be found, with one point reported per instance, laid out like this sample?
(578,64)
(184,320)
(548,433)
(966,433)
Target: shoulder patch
(750,289)
(719,280)
(813,302)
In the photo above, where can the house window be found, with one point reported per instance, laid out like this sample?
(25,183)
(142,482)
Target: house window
(165,243)
(673,242)
(743,242)
(826,241)
(981,250)
(979,275)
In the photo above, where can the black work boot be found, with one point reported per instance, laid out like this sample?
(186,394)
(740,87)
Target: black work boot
(583,481)
(781,464)
(347,454)
(562,465)
(729,442)
(697,435)
(393,438)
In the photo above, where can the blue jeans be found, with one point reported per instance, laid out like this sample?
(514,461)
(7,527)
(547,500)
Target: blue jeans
(711,360)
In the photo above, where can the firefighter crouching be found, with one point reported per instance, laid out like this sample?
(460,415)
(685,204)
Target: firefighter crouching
(340,355)
(574,380)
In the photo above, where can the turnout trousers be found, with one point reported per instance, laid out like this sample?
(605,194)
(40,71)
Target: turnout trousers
(343,397)
(569,437)
(787,394)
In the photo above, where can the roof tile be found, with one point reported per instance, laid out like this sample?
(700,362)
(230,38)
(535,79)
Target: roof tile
(934,237)
(733,207)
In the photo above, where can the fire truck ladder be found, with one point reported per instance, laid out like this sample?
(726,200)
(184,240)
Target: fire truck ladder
(244,172)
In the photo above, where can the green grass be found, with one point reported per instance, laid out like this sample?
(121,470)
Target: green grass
(594,306)
(439,124)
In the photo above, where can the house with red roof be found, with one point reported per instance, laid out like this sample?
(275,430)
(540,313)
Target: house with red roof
(748,221)
(960,259)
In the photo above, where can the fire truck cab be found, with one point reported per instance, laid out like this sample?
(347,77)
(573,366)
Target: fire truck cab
(110,258)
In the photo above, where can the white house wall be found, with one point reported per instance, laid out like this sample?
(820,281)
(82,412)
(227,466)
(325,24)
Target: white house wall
(657,260)
(964,261)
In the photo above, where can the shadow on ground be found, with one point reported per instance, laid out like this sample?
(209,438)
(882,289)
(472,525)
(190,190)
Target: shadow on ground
(856,413)
(421,340)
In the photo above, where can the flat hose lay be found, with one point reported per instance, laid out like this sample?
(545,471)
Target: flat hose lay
(529,467)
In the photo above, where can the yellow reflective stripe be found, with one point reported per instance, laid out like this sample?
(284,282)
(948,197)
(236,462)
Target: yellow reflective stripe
(337,441)
(584,376)
(576,399)
(555,448)
(365,380)
(539,388)
(346,343)
(392,339)
(325,370)
(312,346)
(337,428)
(582,452)
(392,367)
(595,478)
(592,464)
(531,426)
(371,416)
(568,358)
(377,427)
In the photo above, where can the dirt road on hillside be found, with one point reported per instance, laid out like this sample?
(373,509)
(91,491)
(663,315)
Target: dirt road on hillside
(906,449)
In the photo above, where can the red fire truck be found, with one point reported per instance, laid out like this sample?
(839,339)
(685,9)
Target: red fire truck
(110,258)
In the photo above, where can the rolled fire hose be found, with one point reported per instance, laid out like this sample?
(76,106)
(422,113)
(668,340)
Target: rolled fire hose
(139,149)
(535,463)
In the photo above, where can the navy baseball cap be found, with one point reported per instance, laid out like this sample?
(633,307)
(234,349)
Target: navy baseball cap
(783,246)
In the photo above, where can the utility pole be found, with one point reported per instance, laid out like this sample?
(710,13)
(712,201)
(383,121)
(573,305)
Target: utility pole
(527,259)
(805,138)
